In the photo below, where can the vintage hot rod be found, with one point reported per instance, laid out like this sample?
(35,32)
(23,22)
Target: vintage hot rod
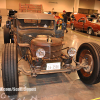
(36,39)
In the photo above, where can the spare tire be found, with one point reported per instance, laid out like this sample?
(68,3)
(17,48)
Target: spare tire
(90,52)
(10,69)
(6,35)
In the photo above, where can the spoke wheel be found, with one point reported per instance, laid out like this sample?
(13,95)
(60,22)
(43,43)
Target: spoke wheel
(89,64)
(90,54)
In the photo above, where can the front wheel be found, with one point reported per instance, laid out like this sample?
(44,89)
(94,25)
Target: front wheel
(90,31)
(90,53)
(72,27)
(10,69)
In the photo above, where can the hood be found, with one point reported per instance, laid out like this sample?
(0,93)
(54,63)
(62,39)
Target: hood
(78,16)
(35,32)
(97,23)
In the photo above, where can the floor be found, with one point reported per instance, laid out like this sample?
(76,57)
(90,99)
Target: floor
(61,86)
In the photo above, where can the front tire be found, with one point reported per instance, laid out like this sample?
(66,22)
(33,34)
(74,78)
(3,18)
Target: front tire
(90,31)
(72,27)
(91,52)
(10,69)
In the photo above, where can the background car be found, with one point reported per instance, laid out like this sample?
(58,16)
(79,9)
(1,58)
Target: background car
(81,22)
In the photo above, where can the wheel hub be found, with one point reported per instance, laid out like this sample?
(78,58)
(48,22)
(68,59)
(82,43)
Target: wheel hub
(72,26)
(90,31)
(87,63)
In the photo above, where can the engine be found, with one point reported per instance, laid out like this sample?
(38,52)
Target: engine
(44,47)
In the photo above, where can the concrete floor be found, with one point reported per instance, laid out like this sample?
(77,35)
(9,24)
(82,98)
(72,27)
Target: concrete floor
(61,86)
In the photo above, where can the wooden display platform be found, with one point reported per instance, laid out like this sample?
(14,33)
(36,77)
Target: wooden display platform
(30,8)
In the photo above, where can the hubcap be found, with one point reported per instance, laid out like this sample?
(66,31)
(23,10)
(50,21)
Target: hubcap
(87,63)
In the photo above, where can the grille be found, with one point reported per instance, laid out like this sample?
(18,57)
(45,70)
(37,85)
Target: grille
(51,51)
(25,39)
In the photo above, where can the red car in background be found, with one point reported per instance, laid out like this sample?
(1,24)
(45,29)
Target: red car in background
(81,22)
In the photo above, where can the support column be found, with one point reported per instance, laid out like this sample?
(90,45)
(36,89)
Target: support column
(3,10)
(76,6)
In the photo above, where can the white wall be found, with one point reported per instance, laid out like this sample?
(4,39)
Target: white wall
(2,4)
(97,6)
(14,4)
(88,4)
(58,6)
(3,10)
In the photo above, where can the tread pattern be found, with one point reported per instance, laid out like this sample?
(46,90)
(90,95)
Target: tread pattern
(10,68)
(97,47)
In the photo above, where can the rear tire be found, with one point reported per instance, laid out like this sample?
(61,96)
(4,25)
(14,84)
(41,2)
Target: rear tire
(6,35)
(93,75)
(10,68)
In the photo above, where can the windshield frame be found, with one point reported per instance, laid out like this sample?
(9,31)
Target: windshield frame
(94,20)
(36,27)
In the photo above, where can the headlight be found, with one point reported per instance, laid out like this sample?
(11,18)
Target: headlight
(71,52)
(40,53)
